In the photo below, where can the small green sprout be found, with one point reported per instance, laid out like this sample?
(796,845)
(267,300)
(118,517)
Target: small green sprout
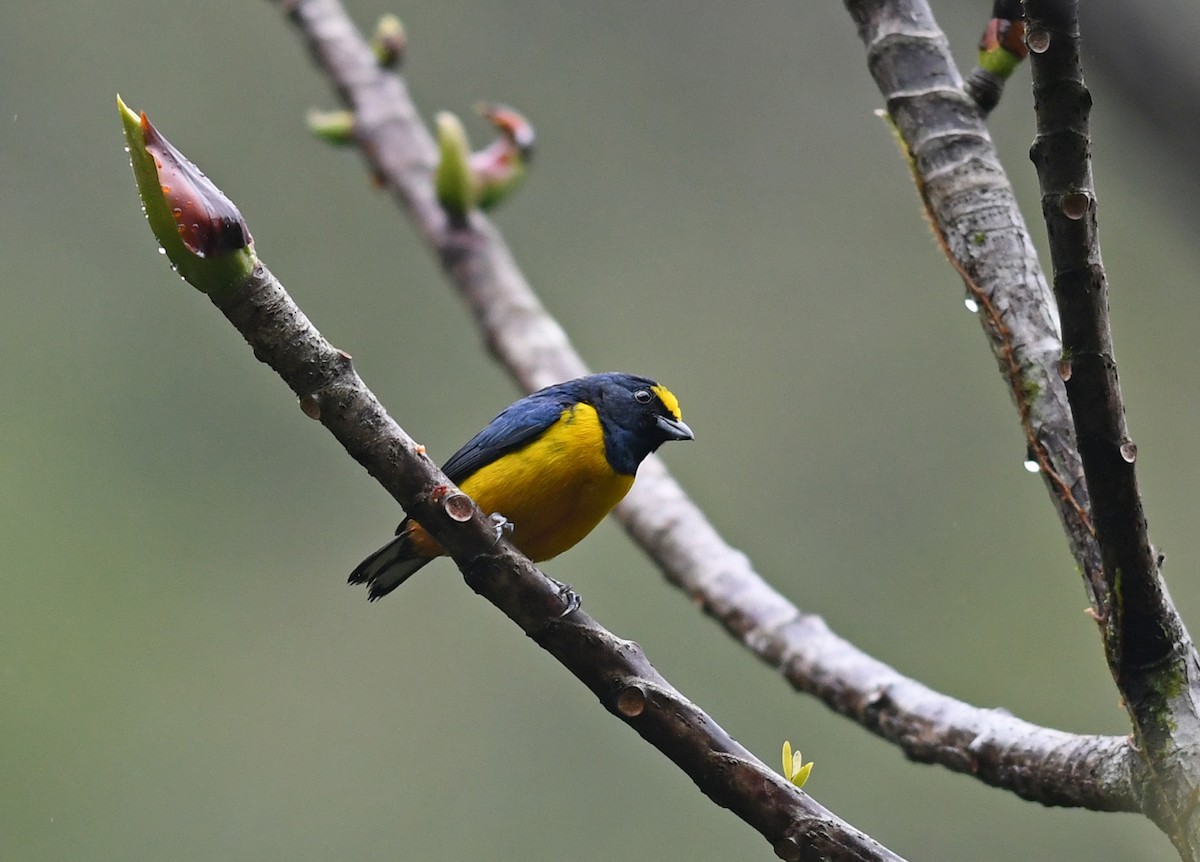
(456,184)
(334,127)
(389,41)
(795,769)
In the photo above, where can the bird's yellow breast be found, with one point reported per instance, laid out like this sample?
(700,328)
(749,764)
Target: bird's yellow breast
(554,490)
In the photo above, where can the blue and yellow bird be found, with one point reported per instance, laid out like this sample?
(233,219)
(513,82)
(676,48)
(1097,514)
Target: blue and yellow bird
(552,464)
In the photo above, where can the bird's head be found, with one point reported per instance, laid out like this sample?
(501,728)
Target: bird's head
(638,415)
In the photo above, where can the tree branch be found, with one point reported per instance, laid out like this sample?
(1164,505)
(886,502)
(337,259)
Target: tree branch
(616,670)
(974,211)
(1033,762)
(402,155)
(208,242)
(1149,650)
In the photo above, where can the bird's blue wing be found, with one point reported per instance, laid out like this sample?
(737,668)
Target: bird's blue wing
(520,423)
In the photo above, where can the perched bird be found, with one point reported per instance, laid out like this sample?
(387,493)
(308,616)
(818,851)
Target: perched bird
(552,464)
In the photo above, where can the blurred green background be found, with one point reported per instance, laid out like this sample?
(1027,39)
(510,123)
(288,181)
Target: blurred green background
(185,675)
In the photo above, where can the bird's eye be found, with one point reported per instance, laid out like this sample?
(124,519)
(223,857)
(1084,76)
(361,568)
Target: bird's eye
(643,396)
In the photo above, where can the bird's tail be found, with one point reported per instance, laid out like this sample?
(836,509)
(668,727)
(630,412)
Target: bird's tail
(390,566)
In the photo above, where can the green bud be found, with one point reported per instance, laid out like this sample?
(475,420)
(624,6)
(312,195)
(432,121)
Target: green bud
(389,41)
(456,184)
(333,127)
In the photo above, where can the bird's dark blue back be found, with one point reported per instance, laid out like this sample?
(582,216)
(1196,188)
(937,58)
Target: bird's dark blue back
(524,420)
(516,425)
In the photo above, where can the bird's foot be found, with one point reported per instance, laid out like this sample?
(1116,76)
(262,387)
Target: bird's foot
(570,598)
(501,525)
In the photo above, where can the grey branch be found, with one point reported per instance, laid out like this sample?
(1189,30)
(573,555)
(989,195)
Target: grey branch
(972,205)
(1149,650)
(1036,763)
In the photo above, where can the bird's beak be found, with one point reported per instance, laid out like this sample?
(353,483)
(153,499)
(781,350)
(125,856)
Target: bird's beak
(675,429)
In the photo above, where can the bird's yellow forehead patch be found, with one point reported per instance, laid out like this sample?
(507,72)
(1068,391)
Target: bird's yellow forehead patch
(668,399)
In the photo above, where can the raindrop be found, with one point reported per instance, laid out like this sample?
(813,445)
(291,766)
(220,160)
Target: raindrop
(971,304)
(1038,41)
(1074,205)
(631,702)
(161,250)
(310,406)
(1032,466)
(1064,369)
(1129,451)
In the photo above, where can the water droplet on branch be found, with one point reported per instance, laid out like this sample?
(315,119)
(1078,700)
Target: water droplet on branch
(310,406)
(1075,205)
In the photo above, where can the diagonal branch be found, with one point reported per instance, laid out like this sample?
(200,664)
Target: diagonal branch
(1149,651)
(208,242)
(616,670)
(1036,763)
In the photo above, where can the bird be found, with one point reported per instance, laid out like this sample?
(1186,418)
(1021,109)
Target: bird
(550,466)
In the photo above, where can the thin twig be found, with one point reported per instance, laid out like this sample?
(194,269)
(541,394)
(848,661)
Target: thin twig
(1036,763)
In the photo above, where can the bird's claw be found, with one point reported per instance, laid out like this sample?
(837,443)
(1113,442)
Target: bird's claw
(501,525)
(570,598)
